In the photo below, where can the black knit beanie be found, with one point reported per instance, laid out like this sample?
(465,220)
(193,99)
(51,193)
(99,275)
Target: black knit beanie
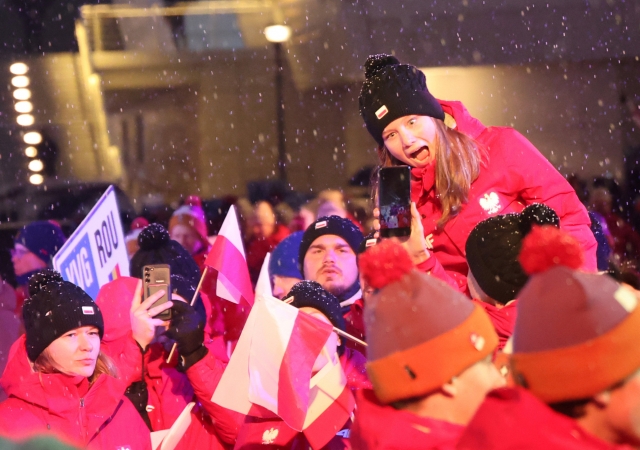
(156,247)
(311,294)
(493,248)
(335,225)
(54,308)
(392,90)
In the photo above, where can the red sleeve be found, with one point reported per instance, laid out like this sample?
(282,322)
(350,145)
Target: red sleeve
(433,267)
(204,377)
(537,181)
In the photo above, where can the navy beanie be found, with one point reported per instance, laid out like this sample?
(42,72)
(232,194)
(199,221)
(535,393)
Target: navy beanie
(392,90)
(55,307)
(311,294)
(284,258)
(42,238)
(334,225)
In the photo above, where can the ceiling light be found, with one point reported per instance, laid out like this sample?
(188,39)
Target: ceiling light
(277,33)
(33,138)
(31,152)
(22,94)
(24,107)
(36,165)
(36,178)
(20,81)
(18,68)
(26,120)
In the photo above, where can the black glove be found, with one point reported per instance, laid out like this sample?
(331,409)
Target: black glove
(187,329)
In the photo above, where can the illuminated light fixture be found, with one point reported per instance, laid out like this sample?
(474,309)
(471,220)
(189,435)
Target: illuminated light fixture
(22,94)
(26,120)
(35,165)
(24,107)
(36,178)
(21,81)
(31,152)
(32,138)
(277,33)
(18,68)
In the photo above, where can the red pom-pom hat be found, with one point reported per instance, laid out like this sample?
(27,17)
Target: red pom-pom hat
(420,331)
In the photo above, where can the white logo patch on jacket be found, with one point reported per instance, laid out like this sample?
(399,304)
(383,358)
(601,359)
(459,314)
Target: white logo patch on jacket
(490,203)
(269,436)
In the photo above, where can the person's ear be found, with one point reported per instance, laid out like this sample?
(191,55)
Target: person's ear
(602,399)
(450,388)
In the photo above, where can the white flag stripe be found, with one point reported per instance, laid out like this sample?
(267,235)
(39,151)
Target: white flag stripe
(326,387)
(234,383)
(231,230)
(271,336)
(263,286)
(226,290)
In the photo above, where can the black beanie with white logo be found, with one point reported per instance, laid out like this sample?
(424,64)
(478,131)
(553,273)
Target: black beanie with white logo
(54,308)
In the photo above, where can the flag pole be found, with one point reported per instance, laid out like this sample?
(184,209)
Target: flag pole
(348,336)
(193,302)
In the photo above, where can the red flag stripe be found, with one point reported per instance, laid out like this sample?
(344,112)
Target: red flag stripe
(307,339)
(227,259)
(325,427)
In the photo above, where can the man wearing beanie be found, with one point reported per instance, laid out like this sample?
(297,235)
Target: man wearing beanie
(284,269)
(188,227)
(429,357)
(495,274)
(327,255)
(575,358)
(34,248)
(462,172)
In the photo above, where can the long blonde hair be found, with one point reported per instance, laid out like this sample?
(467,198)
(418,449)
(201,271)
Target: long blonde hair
(104,365)
(458,159)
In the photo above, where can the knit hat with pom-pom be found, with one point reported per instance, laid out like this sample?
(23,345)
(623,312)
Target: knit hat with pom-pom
(54,308)
(493,248)
(191,215)
(156,247)
(392,90)
(420,332)
(576,333)
(311,294)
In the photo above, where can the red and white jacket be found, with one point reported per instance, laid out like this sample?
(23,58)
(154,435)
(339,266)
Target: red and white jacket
(516,175)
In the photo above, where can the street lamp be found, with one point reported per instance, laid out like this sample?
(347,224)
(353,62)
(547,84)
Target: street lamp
(277,34)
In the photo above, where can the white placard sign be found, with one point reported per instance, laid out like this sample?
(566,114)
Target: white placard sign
(96,252)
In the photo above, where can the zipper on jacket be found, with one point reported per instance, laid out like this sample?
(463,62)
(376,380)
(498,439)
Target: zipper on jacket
(82,403)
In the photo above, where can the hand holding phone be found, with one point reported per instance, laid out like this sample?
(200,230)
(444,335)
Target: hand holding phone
(157,277)
(394,194)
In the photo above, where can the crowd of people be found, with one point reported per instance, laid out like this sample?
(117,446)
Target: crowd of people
(505,319)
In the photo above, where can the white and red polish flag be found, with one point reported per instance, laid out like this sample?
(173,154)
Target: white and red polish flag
(227,257)
(270,372)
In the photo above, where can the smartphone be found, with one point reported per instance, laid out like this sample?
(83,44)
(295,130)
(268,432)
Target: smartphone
(155,278)
(394,194)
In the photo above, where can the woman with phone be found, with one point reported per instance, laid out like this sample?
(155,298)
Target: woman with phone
(57,379)
(461,171)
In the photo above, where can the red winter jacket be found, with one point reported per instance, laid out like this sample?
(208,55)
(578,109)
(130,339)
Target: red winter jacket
(381,427)
(516,175)
(96,416)
(205,376)
(503,319)
(513,418)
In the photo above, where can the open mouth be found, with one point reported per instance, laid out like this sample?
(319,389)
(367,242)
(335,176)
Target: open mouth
(420,155)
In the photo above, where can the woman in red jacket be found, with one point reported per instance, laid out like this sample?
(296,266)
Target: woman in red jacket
(57,379)
(462,172)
